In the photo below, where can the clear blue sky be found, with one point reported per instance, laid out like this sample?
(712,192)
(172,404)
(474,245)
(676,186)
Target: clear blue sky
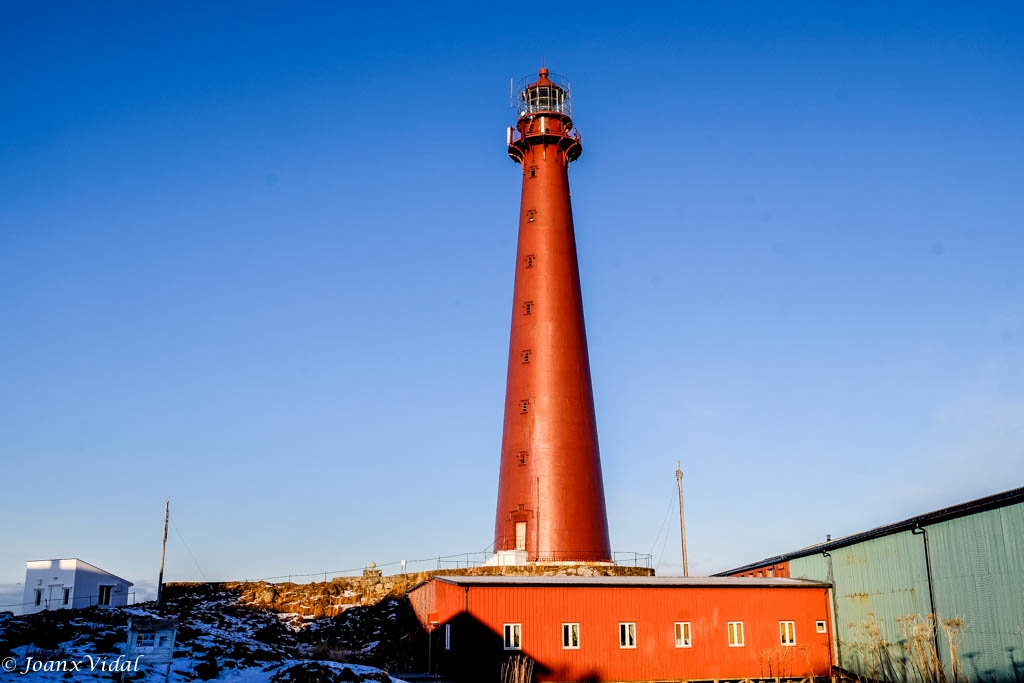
(257,258)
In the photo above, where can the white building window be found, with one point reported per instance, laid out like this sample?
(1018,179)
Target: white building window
(683,634)
(820,627)
(735,634)
(570,636)
(513,636)
(145,639)
(787,633)
(447,636)
(39,596)
(627,634)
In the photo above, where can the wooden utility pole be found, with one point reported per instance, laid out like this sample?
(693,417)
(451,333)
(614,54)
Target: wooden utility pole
(682,522)
(163,553)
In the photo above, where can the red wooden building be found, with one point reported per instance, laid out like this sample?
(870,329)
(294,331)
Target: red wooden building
(627,628)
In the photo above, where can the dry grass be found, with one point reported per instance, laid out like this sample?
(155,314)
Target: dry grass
(913,658)
(518,669)
(776,662)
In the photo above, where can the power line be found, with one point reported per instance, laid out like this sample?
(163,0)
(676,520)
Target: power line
(177,531)
(663,523)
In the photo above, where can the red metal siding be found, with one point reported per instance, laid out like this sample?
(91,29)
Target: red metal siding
(778,570)
(599,610)
(550,474)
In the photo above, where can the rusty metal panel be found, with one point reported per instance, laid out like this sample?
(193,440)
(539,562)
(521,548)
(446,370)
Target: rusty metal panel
(977,566)
(978,573)
(876,584)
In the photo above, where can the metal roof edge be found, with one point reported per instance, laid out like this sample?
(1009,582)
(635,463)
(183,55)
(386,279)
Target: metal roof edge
(78,559)
(418,585)
(992,502)
(621,582)
(100,569)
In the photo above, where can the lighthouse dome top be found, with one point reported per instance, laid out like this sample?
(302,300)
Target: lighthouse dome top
(544,80)
(546,92)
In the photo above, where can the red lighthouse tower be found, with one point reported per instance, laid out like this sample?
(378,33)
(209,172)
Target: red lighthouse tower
(550,492)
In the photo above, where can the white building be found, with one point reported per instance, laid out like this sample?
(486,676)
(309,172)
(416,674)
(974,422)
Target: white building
(70,583)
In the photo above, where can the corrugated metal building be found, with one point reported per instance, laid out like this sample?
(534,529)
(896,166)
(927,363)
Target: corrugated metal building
(626,628)
(964,564)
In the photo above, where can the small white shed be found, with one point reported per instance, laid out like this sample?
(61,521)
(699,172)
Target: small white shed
(71,583)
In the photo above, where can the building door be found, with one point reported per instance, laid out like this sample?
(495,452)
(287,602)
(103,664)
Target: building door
(104,598)
(56,596)
(520,535)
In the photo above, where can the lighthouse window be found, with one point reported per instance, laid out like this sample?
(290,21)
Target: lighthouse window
(526,356)
(522,457)
(531,215)
(533,171)
(528,308)
(545,98)
(524,406)
(529,261)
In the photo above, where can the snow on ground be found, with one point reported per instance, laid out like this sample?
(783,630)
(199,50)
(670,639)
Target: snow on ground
(218,640)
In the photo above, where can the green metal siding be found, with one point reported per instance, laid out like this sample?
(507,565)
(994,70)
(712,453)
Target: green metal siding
(875,583)
(978,574)
(978,571)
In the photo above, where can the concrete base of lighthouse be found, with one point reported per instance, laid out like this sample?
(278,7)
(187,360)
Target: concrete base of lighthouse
(507,558)
(518,558)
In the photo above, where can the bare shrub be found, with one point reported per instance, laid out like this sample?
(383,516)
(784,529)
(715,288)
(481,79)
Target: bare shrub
(518,669)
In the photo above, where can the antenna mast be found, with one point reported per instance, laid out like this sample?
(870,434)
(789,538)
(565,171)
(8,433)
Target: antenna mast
(163,553)
(682,522)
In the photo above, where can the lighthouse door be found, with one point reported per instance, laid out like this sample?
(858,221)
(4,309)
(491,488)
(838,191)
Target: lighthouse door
(520,535)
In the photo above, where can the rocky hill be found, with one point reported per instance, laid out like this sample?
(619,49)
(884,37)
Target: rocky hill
(350,629)
(331,598)
(220,638)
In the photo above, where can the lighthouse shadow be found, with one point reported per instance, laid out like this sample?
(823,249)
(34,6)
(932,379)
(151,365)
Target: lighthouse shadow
(475,653)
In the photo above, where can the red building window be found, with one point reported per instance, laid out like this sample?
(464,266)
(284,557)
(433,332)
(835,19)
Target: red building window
(627,635)
(787,633)
(683,634)
(513,636)
(570,636)
(735,634)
